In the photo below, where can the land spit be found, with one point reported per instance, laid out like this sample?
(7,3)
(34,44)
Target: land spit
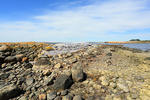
(73,72)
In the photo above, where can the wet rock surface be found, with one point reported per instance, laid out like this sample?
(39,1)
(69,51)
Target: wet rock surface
(87,72)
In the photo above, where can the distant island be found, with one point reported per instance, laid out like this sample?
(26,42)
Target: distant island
(130,41)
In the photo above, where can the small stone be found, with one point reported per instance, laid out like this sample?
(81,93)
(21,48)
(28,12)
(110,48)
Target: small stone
(73,60)
(42,97)
(27,65)
(67,97)
(51,96)
(123,86)
(49,80)
(58,66)
(77,97)
(24,59)
(29,81)
(47,72)
(3,65)
(104,80)
(109,54)
(112,85)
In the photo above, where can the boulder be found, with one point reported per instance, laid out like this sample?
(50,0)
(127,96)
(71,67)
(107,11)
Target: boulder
(42,61)
(77,73)
(19,57)
(62,82)
(40,64)
(4,48)
(8,92)
(10,59)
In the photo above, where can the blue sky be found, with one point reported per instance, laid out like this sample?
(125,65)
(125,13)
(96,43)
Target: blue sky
(74,20)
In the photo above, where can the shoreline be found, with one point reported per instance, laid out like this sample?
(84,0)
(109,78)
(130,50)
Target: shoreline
(106,72)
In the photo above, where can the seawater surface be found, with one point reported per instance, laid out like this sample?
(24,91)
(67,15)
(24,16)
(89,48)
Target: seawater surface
(141,46)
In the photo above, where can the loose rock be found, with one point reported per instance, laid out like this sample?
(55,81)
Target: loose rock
(77,73)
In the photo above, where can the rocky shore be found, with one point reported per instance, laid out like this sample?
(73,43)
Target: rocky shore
(73,72)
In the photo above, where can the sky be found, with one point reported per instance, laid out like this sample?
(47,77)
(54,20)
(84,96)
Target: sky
(74,20)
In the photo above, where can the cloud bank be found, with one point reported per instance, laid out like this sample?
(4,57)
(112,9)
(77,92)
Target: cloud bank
(98,21)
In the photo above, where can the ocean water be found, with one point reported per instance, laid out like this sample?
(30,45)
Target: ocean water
(141,46)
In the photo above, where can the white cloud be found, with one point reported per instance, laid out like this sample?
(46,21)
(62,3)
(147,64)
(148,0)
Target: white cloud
(98,20)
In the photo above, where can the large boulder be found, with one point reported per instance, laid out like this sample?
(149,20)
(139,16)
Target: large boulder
(77,72)
(9,91)
(62,82)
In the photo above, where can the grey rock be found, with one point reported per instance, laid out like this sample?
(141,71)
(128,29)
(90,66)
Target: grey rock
(109,54)
(123,86)
(9,91)
(67,97)
(73,60)
(62,82)
(27,65)
(63,93)
(77,97)
(49,80)
(10,59)
(4,76)
(19,57)
(29,81)
(42,61)
(51,96)
(77,72)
